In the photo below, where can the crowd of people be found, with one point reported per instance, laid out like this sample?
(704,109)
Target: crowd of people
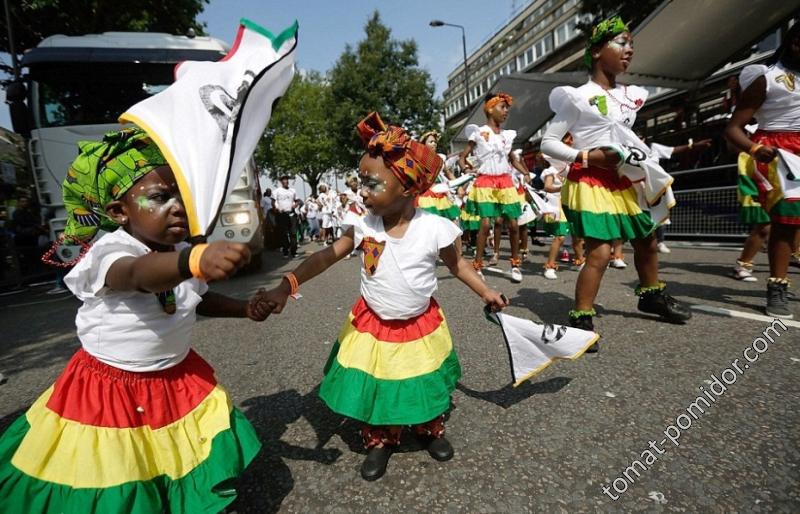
(155,431)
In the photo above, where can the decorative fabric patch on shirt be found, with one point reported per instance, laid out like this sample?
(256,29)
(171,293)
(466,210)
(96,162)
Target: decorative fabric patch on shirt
(372,254)
(787,79)
(486,136)
(599,101)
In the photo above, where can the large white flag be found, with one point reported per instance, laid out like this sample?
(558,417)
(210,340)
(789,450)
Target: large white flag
(209,121)
(533,346)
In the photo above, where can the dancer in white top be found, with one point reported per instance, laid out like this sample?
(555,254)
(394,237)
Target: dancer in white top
(771,94)
(493,194)
(600,203)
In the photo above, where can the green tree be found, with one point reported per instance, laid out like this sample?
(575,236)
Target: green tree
(299,139)
(34,20)
(380,74)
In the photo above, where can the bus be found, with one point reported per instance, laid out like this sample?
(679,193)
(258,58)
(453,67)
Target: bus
(77,86)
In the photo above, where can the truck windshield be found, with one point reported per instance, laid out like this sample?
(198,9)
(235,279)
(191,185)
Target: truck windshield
(88,94)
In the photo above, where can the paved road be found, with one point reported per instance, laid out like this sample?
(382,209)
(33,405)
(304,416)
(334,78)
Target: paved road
(547,446)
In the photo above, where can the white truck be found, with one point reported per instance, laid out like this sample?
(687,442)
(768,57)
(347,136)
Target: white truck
(77,86)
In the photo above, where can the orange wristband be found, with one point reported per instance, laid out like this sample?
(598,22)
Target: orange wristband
(293,284)
(755,148)
(194,260)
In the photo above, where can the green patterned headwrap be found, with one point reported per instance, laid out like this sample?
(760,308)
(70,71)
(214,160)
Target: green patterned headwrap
(103,172)
(602,32)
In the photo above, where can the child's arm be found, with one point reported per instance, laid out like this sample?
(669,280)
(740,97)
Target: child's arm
(463,271)
(462,157)
(310,268)
(549,185)
(158,271)
(221,306)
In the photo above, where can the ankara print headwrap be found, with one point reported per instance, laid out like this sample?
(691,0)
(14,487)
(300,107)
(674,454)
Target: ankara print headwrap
(601,33)
(415,165)
(103,172)
(489,104)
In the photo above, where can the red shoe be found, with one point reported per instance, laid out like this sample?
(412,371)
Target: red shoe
(564,256)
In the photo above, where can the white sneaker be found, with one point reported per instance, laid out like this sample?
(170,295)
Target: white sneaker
(743,274)
(617,263)
(663,248)
(550,274)
(494,260)
(516,275)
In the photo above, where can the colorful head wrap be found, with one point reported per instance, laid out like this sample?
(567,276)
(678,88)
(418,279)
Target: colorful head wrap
(415,165)
(601,33)
(490,102)
(426,135)
(103,172)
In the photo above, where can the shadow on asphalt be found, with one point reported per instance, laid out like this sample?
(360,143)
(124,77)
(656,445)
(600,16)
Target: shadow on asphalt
(268,480)
(509,396)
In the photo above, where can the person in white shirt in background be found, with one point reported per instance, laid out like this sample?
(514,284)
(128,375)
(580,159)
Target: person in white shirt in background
(493,194)
(325,212)
(286,217)
(311,212)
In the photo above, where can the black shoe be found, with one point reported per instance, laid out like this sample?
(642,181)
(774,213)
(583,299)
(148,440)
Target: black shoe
(659,302)
(778,300)
(374,465)
(538,242)
(440,449)
(585,323)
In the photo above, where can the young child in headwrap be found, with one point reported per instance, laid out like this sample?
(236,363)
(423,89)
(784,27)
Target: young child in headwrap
(136,422)
(394,364)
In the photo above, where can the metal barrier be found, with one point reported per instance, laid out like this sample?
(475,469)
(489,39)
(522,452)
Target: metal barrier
(708,212)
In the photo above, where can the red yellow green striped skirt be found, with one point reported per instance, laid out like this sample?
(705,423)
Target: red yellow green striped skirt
(439,204)
(391,372)
(556,227)
(600,204)
(751,212)
(493,196)
(102,441)
(780,209)
(469,221)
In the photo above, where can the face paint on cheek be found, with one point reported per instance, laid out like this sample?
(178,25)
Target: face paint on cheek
(142,202)
(167,206)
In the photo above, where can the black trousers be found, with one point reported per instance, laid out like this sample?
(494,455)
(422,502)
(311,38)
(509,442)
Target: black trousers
(287,232)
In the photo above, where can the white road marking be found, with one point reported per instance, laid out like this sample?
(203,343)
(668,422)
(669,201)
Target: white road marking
(739,314)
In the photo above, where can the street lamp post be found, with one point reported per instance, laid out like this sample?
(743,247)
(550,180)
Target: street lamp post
(440,23)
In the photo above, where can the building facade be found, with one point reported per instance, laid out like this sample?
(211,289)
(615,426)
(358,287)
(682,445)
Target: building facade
(542,36)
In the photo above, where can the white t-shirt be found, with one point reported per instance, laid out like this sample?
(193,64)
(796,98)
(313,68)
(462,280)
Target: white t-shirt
(312,209)
(781,108)
(491,150)
(592,115)
(284,199)
(398,276)
(661,151)
(129,329)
